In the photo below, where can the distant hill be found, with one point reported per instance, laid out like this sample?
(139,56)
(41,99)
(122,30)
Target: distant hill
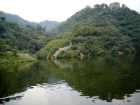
(49,25)
(102,30)
(15,19)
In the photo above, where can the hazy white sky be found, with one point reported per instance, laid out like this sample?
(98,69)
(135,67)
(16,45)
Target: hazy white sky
(59,10)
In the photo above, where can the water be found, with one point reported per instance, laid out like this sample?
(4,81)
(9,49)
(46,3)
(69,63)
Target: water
(97,82)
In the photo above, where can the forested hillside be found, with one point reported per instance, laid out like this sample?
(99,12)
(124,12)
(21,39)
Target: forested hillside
(27,38)
(17,42)
(103,30)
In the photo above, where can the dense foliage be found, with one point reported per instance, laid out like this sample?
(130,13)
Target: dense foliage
(102,30)
(28,38)
(16,40)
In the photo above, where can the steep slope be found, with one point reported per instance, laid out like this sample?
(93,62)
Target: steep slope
(103,30)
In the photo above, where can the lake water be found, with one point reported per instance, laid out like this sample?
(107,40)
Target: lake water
(71,82)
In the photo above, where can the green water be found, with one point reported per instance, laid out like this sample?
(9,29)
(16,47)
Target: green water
(71,82)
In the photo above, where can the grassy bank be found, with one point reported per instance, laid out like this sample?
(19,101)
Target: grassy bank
(9,59)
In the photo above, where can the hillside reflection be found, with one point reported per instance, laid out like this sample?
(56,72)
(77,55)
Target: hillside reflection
(102,78)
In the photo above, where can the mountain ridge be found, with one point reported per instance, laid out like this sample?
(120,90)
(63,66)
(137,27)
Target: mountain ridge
(13,18)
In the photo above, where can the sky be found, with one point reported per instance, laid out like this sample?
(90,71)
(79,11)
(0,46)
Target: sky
(57,10)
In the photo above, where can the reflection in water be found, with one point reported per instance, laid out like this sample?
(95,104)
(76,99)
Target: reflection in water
(98,82)
(62,65)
